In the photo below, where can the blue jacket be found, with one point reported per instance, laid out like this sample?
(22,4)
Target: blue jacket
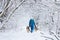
(32,24)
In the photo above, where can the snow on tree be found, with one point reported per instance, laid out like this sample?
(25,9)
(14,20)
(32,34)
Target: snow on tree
(8,8)
(46,14)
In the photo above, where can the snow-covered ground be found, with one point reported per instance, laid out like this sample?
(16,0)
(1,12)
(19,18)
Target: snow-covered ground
(20,35)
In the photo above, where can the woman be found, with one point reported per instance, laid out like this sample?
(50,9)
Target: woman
(31,26)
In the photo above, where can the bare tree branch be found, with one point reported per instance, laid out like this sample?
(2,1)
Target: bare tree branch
(12,13)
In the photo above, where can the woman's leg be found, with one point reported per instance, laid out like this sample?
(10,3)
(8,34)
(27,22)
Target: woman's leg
(32,29)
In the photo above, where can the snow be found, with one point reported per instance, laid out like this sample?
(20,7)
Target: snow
(20,32)
(20,35)
(16,26)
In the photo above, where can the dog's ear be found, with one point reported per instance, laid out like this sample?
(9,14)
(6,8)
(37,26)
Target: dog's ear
(27,27)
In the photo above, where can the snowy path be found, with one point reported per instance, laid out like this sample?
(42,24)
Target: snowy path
(20,35)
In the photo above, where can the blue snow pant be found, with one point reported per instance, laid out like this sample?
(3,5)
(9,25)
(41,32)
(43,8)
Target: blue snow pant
(32,25)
